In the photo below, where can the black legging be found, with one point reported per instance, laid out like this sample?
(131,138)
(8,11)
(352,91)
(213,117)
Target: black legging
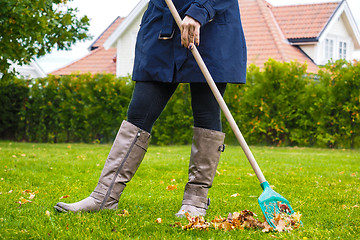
(150,98)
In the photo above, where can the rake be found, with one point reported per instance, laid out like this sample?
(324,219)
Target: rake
(271,202)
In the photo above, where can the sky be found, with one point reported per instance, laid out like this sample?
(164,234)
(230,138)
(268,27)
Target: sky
(104,13)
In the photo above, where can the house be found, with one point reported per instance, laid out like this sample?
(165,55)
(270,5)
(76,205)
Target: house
(311,33)
(29,71)
(321,37)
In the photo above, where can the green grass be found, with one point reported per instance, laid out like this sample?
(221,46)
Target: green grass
(320,183)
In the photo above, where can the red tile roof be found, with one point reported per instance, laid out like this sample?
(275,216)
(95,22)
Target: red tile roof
(98,60)
(309,19)
(265,38)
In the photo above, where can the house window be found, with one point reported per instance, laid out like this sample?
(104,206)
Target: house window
(329,49)
(336,48)
(342,50)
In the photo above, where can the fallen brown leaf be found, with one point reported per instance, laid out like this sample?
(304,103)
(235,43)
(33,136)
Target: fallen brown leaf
(267,227)
(23,201)
(171,187)
(227,226)
(196,223)
(280,226)
(124,213)
(66,196)
(177,224)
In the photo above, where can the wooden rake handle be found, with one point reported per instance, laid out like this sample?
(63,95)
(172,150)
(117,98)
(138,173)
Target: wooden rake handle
(220,99)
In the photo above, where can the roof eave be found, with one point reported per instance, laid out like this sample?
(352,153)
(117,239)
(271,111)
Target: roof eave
(111,41)
(93,46)
(353,25)
(38,68)
(300,41)
(336,12)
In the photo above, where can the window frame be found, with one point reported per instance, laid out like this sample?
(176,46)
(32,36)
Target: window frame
(337,48)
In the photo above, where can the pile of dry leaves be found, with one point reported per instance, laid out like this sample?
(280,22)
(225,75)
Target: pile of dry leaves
(245,219)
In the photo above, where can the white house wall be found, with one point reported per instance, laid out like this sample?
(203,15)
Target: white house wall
(126,48)
(309,50)
(338,31)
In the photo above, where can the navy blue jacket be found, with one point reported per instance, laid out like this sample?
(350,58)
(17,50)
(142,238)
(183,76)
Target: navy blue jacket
(159,55)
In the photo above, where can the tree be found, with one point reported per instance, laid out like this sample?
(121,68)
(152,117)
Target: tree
(32,28)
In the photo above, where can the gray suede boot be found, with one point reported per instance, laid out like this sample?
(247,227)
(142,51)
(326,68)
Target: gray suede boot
(124,158)
(205,154)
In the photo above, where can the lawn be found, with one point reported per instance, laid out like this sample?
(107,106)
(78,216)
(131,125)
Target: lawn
(323,184)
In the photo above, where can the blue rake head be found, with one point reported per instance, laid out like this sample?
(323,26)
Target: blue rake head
(272,203)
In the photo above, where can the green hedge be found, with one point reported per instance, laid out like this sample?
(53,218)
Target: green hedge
(280,105)
(81,108)
(13,96)
(337,105)
(270,106)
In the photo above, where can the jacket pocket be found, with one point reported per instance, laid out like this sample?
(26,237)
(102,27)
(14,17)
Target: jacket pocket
(220,18)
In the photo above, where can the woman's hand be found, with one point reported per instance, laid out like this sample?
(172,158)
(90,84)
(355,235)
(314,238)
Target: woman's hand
(190,32)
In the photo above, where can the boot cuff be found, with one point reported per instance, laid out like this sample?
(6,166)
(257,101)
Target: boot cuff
(208,133)
(143,136)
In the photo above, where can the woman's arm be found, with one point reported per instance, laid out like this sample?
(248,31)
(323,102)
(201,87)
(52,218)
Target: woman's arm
(205,10)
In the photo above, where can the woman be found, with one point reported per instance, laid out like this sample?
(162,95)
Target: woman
(162,61)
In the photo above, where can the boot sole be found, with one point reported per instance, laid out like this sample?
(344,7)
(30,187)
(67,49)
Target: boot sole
(60,209)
